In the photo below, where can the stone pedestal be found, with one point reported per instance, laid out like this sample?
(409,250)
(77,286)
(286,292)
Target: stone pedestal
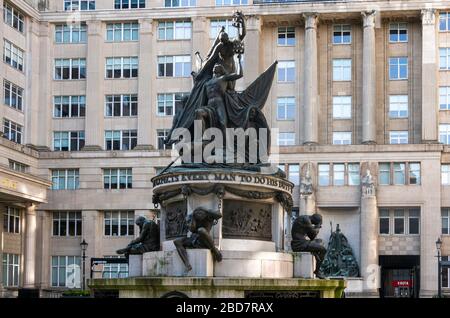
(135,266)
(304,265)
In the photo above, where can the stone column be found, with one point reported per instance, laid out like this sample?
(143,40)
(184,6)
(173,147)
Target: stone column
(369,130)
(147,73)
(310,112)
(93,234)
(253,50)
(369,268)
(429,78)
(95,74)
(29,260)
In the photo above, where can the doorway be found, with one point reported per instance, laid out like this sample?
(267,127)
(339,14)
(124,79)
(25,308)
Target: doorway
(400,276)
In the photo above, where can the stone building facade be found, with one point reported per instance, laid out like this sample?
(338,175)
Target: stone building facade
(89,89)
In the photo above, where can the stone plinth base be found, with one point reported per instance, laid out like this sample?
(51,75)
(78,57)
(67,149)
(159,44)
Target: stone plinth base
(135,266)
(169,263)
(254,265)
(304,265)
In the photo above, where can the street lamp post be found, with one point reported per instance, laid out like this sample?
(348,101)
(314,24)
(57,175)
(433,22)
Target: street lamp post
(438,247)
(84,246)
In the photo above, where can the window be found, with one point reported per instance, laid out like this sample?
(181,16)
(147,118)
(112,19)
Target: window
(122,67)
(216,26)
(398,137)
(342,34)
(294,174)
(119,223)
(70,33)
(399,221)
(399,173)
(286,36)
(342,70)
(169,103)
(174,30)
(231,2)
(11,270)
(13,95)
(120,139)
(398,32)
(179,3)
(445,217)
(13,56)
(413,221)
(121,105)
(79,5)
(70,69)
(342,138)
(342,107)
(286,71)
(69,106)
(13,17)
(67,224)
(384,221)
(162,135)
(286,139)
(12,131)
(65,179)
(174,66)
(353,174)
(398,106)
(324,174)
(115,270)
(68,140)
(445,174)
(414,173)
(122,32)
(384,170)
(444,21)
(66,271)
(398,68)
(129,4)
(11,220)
(338,174)
(444,98)
(444,134)
(446,273)
(117,178)
(444,58)
(17,166)
(286,108)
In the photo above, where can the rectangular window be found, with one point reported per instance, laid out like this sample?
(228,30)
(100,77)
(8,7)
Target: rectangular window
(231,2)
(286,36)
(174,66)
(445,174)
(414,173)
(12,131)
(286,71)
(13,56)
(444,21)
(444,134)
(446,273)
(12,95)
(399,173)
(398,137)
(398,106)
(11,220)
(294,174)
(338,174)
(70,69)
(121,105)
(286,139)
(179,3)
(174,30)
(399,221)
(384,170)
(67,224)
(118,178)
(13,17)
(162,135)
(11,270)
(324,174)
(384,221)
(17,166)
(122,32)
(66,179)
(66,271)
(342,138)
(119,223)
(168,103)
(129,4)
(398,68)
(444,58)
(75,33)
(286,108)
(122,67)
(444,98)
(115,270)
(342,34)
(413,221)
(120,139)
(68,140)
(342,70)
(445,217)
(216,26)
(69,106)
(398,32)
(79,5)
(353,174)
(342,107)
